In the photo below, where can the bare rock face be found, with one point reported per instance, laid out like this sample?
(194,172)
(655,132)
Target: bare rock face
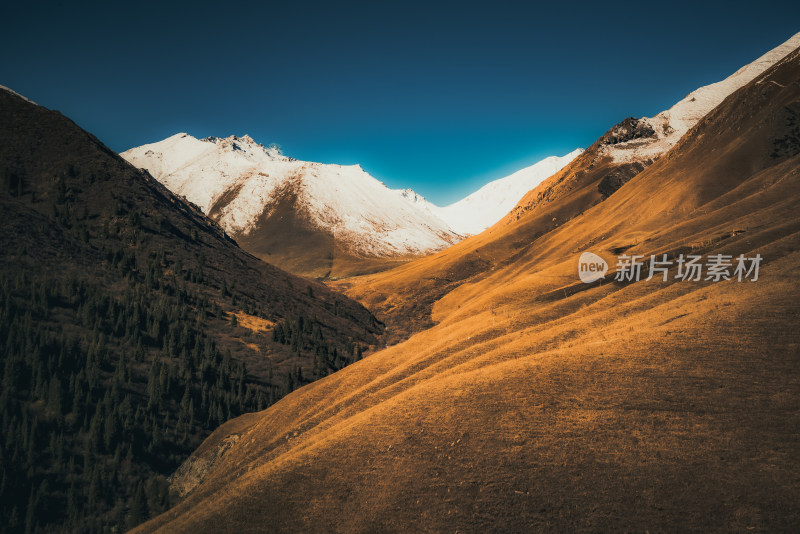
(193,471)
(618,177)
(628,130)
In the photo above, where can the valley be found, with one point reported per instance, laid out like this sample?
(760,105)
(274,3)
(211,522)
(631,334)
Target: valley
(527,400)
(203,334)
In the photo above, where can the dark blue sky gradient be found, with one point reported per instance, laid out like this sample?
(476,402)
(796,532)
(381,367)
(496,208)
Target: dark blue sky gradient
(440,97)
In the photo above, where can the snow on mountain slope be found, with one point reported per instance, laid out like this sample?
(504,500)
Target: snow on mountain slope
(647,138)
(493,201)
(237,181)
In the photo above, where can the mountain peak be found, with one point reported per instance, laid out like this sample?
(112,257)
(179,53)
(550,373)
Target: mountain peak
(233,143)
(255,193)
(647,138)
(412,196)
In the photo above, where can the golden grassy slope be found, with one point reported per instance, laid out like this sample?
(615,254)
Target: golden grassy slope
(403,297)
(540,403)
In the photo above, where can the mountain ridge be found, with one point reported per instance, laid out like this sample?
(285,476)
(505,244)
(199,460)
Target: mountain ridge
(131,326)
(539,403)
(659,133)
(491,202)
(405,302)
(342,209)
(327,201)
(266,201)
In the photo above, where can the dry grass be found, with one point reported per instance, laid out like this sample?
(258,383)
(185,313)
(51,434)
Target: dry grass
(531,402)
(255,324)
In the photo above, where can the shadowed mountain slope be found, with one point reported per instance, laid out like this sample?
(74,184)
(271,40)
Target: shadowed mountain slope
(131,326)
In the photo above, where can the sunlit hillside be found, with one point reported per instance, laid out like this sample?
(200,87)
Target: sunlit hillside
(525,400)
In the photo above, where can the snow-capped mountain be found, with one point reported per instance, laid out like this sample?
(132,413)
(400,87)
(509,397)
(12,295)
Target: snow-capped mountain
(632,145)
(480,210)
(240,183)
(258,195)
(288,211)
(644,139)
(298,214)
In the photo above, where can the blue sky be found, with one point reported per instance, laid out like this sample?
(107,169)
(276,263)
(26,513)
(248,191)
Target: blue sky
(437,96)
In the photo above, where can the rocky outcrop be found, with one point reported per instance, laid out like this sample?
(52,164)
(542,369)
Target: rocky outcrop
(628,130)
(193,471)
(618,177)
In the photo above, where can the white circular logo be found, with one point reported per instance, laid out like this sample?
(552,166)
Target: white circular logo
(591,267)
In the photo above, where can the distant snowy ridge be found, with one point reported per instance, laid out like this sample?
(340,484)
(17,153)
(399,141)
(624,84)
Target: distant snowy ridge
(240,182)
(237,181)
(658,134)
(493,201)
